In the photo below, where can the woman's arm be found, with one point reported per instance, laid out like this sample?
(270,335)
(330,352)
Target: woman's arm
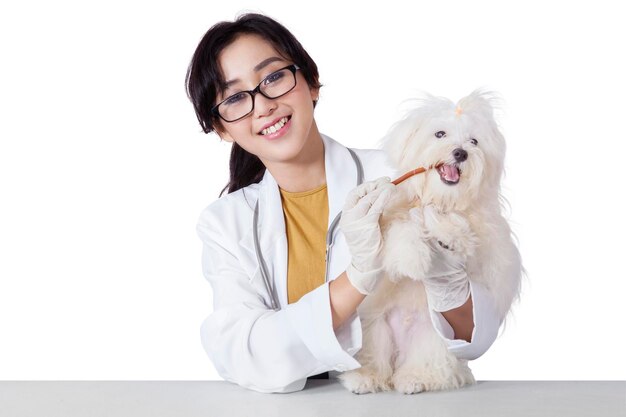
(484,327)
(259,348)
(461,320)
(344,299)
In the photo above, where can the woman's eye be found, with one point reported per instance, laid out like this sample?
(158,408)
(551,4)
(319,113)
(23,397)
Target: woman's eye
(234,99)
(274,77)
(474,141)
(440,134)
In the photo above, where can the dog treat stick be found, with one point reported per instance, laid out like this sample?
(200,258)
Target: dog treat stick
(411,173)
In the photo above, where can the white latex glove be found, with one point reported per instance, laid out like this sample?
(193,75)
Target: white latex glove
(359,223)
(446,281)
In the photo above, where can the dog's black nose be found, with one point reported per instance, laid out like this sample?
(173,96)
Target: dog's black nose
(459,154)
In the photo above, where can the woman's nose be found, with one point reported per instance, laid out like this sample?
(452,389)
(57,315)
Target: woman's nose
(263,105)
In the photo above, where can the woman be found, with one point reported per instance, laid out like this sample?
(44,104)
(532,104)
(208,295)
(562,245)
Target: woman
(282,312)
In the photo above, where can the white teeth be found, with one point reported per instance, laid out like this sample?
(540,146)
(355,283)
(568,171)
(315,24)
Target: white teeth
(275,128)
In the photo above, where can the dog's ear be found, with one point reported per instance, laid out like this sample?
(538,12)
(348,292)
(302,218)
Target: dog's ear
(398,139)
(482,105)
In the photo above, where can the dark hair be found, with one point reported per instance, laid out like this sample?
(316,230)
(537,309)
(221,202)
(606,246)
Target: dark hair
(204,81)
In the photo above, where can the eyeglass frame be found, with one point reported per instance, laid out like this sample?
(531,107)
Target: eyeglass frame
(293,68)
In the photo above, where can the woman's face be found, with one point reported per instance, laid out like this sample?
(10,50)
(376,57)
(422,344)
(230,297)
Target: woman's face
(245,62)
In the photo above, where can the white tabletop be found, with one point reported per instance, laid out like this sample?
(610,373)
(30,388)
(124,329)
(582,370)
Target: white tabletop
(320,398)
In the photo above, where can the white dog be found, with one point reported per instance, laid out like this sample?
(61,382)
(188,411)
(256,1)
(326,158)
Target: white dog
(456,204)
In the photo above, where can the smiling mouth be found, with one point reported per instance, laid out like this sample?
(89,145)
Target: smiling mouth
(276,127)
(449,174)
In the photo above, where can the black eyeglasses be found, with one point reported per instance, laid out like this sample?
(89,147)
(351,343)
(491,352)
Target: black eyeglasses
(241,104)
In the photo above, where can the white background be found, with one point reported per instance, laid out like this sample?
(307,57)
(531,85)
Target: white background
(104,170)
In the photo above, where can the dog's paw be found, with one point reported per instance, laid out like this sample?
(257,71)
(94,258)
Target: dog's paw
(414,380)
(407,384)
(443,245)
(363,382)
(452,231)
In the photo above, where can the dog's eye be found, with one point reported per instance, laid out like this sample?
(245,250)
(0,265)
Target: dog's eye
(474,141)
(440,134)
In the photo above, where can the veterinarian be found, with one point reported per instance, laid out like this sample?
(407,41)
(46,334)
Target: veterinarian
(284,305)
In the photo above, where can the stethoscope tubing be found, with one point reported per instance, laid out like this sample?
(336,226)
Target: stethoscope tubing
(330,239)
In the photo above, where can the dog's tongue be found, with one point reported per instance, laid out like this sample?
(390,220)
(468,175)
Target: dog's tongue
(451,173)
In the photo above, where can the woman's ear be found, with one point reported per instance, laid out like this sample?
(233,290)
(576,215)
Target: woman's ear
(225,136)
(315,94)
(222,133)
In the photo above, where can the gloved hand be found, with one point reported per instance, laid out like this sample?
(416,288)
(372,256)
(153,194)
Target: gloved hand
(446,281)
(359,223)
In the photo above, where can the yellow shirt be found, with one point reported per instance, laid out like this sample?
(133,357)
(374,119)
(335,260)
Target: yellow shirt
(306,224)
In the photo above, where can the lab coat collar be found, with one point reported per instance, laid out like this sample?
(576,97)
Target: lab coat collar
(341,178)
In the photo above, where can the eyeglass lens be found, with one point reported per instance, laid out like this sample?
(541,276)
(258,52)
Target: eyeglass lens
(274,85)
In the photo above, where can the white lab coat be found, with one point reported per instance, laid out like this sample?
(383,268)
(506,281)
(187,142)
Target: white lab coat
(275,351)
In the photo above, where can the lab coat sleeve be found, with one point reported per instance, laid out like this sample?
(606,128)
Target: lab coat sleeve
(262,349)
(486,325)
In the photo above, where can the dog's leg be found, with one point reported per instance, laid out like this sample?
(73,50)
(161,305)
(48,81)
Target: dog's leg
(405,252)
(451,230)
(427,364)
(375,357)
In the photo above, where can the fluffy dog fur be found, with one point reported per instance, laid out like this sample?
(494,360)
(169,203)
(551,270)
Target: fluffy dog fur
(401,349)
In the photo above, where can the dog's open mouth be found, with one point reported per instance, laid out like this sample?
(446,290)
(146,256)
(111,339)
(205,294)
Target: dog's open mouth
(450,174)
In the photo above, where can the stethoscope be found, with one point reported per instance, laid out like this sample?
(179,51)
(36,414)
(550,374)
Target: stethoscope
(330,238)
